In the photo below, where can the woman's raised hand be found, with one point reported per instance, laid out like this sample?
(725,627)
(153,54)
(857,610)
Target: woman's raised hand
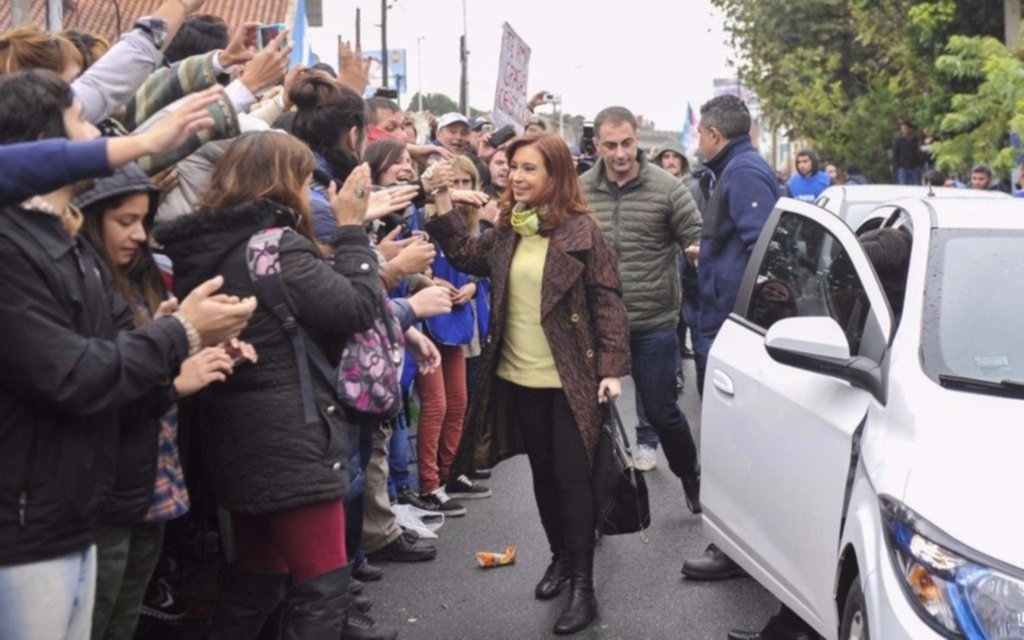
(349,205)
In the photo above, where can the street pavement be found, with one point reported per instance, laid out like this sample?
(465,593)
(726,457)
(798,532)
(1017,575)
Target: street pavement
(641,594)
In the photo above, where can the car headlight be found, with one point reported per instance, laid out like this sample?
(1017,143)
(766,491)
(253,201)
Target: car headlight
(957,591)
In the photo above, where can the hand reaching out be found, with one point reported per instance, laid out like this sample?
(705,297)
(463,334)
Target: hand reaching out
(210,365)
(349,205)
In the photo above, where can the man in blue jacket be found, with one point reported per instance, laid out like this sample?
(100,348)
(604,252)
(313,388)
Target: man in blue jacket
(809,180)
(741,192)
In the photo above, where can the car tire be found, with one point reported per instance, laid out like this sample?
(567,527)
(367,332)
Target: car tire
(855,614)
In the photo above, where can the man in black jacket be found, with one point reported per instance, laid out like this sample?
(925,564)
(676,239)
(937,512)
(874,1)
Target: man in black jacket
(66,368)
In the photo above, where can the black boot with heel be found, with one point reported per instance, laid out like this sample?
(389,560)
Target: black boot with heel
(555,577)
(581,609)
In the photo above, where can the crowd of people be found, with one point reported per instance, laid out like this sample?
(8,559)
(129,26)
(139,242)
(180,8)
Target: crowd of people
(239,292)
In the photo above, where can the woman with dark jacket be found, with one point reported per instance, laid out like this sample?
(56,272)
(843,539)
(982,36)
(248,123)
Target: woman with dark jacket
(558,342)
(149,484)
(281,477)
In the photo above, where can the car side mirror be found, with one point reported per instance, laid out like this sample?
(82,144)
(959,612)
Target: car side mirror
(819,345)
(815,336)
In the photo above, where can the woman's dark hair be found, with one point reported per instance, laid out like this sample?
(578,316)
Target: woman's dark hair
(198,35)
(327,112)
(563,197)
(888,250)
(90,47)
(32,106)
(382,155)
(139,280)
(934,178)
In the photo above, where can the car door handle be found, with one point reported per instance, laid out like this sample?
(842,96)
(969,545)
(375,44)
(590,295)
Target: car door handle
(723,383)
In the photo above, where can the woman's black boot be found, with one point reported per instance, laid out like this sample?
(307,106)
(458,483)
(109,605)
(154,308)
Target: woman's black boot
(555,577)
(247,600)
(582,606)
(318,606)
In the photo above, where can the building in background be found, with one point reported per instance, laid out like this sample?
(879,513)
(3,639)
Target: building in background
(107,19)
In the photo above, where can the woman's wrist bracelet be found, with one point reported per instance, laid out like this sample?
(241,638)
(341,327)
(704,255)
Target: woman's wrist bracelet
(195,343)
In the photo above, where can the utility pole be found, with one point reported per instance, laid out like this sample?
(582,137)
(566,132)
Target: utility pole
(21,12)
(1011,14)
(55,15)
(419,69)
(384,42)
(359,30)
(464,57)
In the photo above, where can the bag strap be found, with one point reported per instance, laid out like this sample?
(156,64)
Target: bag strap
(263,257)
(617,419)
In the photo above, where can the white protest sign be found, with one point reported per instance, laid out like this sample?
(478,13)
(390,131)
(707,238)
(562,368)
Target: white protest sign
(513,80)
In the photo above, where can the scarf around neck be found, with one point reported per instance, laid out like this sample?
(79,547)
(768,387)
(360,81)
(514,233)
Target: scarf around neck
(525,222)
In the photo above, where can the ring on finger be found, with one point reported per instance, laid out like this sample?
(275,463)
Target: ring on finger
(360,192)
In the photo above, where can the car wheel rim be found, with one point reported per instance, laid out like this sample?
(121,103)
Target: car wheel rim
(857,628)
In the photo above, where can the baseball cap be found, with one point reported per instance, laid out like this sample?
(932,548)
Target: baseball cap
(450,118)
(478,122)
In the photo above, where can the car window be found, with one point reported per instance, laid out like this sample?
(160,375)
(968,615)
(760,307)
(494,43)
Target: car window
(806,272)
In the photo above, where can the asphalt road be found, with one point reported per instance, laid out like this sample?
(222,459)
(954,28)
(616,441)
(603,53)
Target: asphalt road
(640,591)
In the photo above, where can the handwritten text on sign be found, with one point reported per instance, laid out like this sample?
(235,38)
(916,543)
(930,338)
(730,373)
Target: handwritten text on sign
(513,80)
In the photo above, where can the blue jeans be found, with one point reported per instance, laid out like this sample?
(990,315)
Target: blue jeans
(50,599)
(908,176)
(398,459)
(654,356)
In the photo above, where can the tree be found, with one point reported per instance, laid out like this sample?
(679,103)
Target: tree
(977,125)
(840,73)
(436,103)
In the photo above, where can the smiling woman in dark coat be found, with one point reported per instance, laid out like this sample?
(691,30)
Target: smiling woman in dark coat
(559,340)
(279,476)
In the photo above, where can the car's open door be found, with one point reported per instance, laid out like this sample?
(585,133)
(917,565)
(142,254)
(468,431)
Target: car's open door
(780,424)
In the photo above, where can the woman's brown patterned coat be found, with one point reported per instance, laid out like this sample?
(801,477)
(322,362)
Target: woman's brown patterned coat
(582,315)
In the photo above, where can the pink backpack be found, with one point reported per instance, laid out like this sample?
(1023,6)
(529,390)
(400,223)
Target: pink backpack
(367,380)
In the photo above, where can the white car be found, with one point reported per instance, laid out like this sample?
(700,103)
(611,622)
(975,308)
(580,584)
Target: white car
(869,472)
(853,202)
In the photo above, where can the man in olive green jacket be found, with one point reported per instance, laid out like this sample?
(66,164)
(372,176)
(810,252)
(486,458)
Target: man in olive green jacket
(648,215)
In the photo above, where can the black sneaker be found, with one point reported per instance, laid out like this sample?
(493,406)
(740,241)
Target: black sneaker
(161,602)
(367,572)
(441,502)
(479,474)
(401,549)
(409,497)
(359,626)
(463,487)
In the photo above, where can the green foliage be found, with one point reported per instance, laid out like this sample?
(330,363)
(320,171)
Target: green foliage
(975,128)
(436,103)
(841,73)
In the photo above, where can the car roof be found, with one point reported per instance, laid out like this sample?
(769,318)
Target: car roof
(885,192)
(967,214)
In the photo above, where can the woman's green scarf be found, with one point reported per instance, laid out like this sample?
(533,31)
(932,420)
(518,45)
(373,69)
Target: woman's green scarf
(525,222)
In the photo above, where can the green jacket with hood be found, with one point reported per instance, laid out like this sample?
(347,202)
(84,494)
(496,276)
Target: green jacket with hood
(647,220)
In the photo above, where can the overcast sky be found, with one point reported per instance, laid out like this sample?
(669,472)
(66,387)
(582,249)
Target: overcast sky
(649,55)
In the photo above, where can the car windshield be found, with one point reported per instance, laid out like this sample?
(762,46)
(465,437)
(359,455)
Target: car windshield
(974,303)
(855,212)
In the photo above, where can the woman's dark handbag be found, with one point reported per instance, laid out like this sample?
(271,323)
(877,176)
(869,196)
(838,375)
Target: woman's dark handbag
(620,493)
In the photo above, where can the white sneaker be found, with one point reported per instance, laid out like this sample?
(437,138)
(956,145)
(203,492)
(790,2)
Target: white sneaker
(645,458)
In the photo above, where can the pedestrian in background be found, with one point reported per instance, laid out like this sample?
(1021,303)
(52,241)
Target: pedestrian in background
(558,343)
(809,180)
(907,159)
